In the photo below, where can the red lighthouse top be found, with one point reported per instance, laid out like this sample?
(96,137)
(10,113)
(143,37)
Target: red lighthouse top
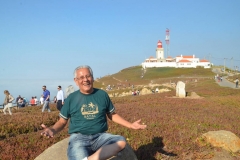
(159,44)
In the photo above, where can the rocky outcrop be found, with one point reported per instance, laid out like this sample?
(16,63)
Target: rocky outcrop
(224,139)
(145,91)
(194,95)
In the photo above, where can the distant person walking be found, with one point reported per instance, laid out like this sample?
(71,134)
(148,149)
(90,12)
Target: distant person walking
(41,100)
(60,98)
(17,99)
(236,81)
(7,102)
(46,96)
(36,100)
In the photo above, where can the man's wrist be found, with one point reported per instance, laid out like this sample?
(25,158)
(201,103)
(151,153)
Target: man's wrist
(130,126)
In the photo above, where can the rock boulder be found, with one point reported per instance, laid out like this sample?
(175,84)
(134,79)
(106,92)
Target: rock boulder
(59,151)
(224,139)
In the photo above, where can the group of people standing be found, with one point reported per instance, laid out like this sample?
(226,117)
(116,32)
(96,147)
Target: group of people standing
(21,101)
(34,101)
(46,99)
(135,92)
(219,78)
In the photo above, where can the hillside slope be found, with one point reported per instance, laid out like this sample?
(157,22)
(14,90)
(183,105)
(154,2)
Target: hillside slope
(136,77)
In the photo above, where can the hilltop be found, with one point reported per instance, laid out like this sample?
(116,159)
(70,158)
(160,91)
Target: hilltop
(137,78)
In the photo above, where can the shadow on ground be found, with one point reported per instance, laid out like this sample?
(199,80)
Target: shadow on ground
(150,150)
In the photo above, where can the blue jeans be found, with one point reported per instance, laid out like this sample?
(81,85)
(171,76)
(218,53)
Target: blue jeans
(81,146)
(46,106)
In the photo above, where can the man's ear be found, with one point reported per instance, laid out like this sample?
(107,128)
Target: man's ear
(75,80)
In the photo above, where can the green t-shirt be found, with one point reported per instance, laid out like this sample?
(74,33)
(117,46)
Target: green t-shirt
(87,112)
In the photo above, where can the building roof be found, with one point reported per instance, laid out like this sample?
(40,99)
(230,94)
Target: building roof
(169,57)
(187,56)
(151,58)
(184,60)
(204,60)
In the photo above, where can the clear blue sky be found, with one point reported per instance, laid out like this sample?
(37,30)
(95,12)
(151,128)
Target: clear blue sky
(42,42)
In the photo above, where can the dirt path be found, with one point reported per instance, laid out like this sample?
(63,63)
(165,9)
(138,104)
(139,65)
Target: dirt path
(224,82)
(117,79)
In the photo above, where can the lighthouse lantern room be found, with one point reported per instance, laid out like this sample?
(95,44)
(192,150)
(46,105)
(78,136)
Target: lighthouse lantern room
(159,52)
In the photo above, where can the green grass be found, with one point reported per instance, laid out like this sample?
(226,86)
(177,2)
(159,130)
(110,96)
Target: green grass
(132,75)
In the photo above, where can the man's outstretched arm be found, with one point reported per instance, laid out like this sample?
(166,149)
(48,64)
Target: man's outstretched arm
(57,127)
(118,119)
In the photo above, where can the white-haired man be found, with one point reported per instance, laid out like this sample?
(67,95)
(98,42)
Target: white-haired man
(87,109)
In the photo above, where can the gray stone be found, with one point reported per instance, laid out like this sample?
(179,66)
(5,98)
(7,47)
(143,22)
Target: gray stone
(194,95)
(180,89)
(58,151)
(145,91)
(70,89)
(224,139)
(126,154)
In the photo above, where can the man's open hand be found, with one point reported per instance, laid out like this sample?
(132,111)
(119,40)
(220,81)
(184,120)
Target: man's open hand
(137,125)
(48,132)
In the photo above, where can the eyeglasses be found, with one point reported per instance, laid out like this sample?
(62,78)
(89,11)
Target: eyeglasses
(83,77)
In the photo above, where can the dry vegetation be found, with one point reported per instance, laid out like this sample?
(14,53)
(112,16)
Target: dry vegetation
(173,123)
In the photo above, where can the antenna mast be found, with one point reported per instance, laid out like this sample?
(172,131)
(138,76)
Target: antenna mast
(167,40)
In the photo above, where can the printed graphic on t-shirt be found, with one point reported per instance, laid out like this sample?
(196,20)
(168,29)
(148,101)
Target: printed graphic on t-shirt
(89,111)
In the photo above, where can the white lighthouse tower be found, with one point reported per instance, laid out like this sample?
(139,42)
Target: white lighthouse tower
(159,52)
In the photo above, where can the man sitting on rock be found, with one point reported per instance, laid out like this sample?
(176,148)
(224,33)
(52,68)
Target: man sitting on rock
(87,109)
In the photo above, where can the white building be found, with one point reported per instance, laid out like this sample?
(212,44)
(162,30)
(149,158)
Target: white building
(178,62)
